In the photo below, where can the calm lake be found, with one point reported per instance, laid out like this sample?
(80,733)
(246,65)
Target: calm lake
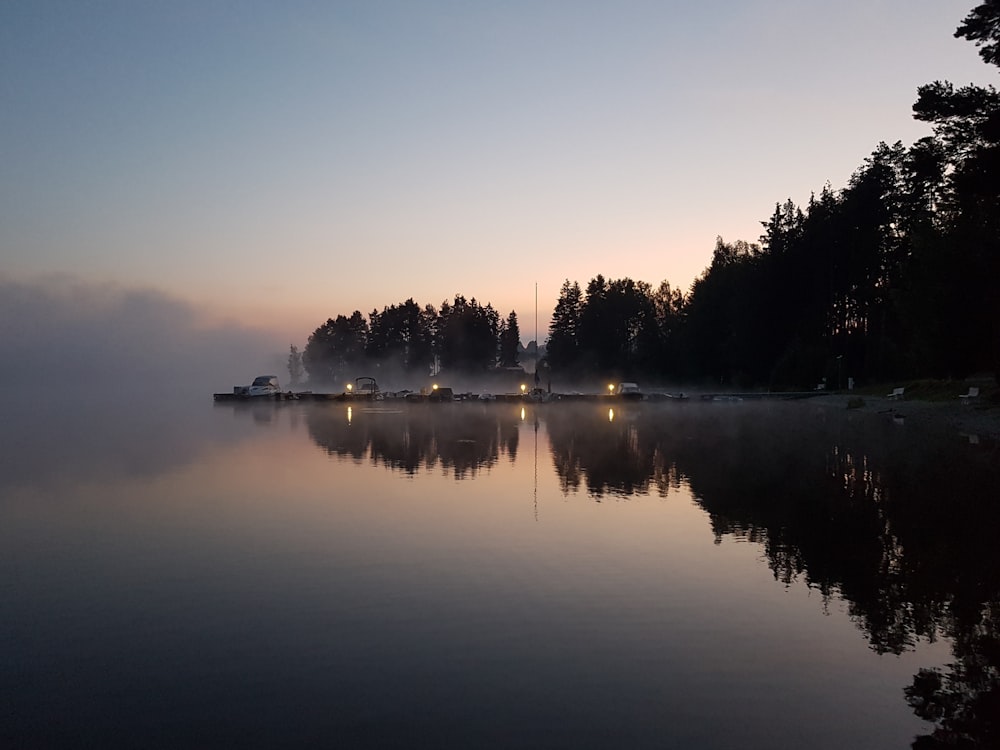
(696,575)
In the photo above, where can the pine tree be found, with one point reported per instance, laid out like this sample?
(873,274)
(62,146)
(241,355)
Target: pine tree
(563,345)
(510,337)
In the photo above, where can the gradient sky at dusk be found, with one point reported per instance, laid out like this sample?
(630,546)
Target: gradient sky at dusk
(281,163)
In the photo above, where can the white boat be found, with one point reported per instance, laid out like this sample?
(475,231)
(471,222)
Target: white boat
(262,387)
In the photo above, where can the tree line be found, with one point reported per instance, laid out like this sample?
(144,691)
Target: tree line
(460,336)
(893,276)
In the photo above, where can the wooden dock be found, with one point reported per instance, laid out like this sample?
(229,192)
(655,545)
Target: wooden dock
(288,396)
(594,398)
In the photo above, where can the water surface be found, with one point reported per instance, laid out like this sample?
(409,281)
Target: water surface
(466,575)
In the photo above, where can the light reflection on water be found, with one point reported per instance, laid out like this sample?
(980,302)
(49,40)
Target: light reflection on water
(472,575)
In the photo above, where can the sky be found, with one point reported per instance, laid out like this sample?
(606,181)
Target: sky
(261,165)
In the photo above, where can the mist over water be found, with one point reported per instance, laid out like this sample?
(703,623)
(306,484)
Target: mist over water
(103,379)
(70,336)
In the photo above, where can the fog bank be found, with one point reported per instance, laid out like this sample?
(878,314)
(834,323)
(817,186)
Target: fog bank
(65,333)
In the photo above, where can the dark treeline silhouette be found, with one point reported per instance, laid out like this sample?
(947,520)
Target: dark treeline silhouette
(463,336)
(617,326)
(892,276)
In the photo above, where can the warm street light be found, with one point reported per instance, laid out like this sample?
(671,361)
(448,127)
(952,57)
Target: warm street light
(350,387)
(524,388)
(611,389)
(434,387)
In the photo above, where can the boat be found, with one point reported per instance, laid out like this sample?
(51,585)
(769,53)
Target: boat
(263,388)
(365,387)
(629,392)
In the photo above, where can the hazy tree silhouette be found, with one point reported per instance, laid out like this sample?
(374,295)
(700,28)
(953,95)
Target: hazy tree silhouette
(719,317)
(295,368)
(510,340)
(467,335)
(401,334)
(666,356)
(563,344)
(336,348)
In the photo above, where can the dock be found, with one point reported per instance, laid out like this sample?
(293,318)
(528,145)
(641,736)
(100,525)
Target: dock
(593,398)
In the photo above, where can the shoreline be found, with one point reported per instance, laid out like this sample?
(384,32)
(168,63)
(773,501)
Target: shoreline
(977,420)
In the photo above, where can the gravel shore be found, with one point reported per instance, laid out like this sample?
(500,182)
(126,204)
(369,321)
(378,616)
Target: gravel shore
(979,419)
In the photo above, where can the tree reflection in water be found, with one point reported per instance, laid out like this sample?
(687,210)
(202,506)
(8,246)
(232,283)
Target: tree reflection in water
(899,524)
(412,439)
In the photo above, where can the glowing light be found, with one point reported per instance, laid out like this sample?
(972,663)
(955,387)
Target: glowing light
(611,388)
(611,415)
(522,413)
(434,387)
(350,387)
(524,388)
(350,414)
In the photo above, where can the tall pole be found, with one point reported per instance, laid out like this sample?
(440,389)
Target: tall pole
(537,384)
